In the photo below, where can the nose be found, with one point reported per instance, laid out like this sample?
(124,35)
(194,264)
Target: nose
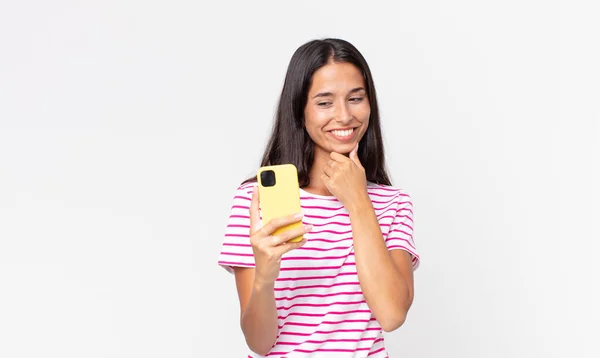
(343,115)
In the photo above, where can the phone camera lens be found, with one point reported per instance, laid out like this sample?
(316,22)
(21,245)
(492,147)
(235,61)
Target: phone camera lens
(267,178)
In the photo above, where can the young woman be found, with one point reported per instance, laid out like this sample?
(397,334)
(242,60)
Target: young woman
(351,278)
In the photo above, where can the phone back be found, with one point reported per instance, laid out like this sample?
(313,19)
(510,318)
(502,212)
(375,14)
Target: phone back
(279,194)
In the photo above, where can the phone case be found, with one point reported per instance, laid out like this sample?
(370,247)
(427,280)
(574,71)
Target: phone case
(283,198)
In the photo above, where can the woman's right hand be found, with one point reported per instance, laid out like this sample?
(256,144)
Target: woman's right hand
(269,248)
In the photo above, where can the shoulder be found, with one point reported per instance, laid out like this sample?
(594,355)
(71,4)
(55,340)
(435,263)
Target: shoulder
(243,193)
(245,188)
(391,193)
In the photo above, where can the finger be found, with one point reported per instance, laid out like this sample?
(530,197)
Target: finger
(338,157)
(288,246)
(287,235)
(328,170)
(276,223)
(354,156)
(254,212)
(326,180)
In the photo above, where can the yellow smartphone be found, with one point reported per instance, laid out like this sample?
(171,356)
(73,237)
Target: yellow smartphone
(279,194)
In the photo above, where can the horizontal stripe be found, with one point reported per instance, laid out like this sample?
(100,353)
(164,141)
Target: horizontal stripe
(304,197)
(383,201)
(383,207)
(236,254)
(299,278)
(239,217)
(330,223)
(325,322)
(236,263)
(330,241)
(319,295)
(316,257)
(391,237)
(238,226)
(237,245)
(404,224)
(304,248)
(327,341)
(277,289)
(301,314)
(327,208)
(381,218)
(405,210)
(326,217)
(376,351)
(383,195)
(240,207)
(289,333)
(383,214)
(287,308)
(383,188)
(331,232)
(337,350)
(238,235)
(407,241)
(401,231)
(308,207)
(316,267)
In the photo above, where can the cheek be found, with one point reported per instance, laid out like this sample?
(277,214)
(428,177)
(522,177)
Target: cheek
(311,123)
(365,112)
(315,120)
(361,111)
(363,116)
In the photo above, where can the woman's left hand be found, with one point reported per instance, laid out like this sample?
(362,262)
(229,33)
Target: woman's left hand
(345,178)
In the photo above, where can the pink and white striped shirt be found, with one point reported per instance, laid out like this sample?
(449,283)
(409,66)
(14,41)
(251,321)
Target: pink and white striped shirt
(320,306)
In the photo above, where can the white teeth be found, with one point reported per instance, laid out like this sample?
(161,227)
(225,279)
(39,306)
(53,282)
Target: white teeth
(343,133)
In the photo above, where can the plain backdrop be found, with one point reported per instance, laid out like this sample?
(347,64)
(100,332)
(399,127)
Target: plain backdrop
(126,126)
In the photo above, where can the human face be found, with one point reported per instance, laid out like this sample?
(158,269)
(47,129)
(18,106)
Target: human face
(337,108)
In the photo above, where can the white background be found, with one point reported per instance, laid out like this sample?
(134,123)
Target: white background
(126,126)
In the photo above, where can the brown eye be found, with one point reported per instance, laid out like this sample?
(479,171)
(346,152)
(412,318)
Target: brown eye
(324,104)
(356,99)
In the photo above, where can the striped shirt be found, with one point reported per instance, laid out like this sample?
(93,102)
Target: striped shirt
(320,306)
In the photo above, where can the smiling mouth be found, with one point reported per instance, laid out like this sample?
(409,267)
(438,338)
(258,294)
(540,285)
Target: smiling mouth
(343,134)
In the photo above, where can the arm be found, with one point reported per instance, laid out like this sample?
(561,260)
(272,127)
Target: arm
(256,285)
(258,317)
(386,277)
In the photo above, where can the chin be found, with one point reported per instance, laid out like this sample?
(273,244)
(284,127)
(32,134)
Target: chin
(343,148)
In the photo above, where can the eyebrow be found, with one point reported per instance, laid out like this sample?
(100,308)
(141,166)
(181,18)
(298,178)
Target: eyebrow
(327,94)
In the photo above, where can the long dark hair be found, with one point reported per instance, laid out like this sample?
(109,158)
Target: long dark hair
(290,142)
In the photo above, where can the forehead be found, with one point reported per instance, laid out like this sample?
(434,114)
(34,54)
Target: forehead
(337,76)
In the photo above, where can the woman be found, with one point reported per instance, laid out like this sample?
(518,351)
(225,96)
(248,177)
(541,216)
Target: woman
(351,278)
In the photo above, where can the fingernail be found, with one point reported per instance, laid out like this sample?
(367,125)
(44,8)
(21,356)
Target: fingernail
(298,216)
(308,228)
